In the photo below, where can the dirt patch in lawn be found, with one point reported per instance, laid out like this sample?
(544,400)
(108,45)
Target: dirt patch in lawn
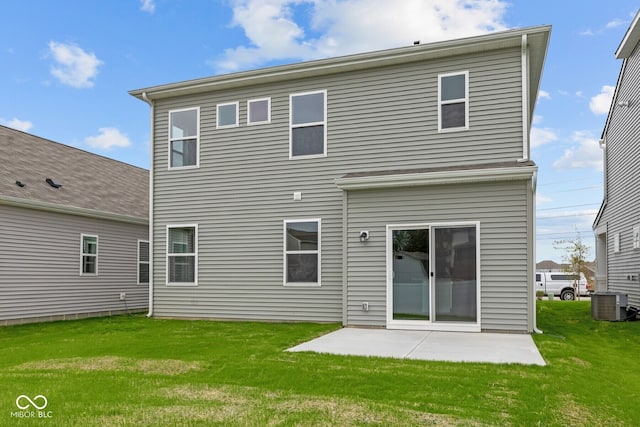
(114,363)
(251,406)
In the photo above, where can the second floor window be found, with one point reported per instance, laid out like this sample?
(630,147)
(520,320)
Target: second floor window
(453,101)
(308,112)
(183,138)
(227,115)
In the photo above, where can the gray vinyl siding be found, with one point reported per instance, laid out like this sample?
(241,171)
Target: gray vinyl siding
(378,119)
(622,212)
(40,266)
(502,210)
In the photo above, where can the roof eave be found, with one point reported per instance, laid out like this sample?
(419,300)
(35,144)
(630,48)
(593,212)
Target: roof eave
(462,176)
(538,39)
(630,39)
(70,210)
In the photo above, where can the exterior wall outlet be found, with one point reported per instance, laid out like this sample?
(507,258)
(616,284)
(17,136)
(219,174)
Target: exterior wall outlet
(123,296)
(365,306)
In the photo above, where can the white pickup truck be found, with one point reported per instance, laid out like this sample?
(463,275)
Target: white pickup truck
(562,284)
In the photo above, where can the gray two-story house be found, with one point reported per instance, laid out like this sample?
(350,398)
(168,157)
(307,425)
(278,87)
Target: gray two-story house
(74,232)
(617,225)
(388,189)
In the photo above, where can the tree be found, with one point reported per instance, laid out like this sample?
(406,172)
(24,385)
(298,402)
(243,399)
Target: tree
(576,253)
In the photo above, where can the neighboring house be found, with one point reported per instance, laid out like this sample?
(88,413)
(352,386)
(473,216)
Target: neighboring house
(287,193)
(617,225)
(73,232)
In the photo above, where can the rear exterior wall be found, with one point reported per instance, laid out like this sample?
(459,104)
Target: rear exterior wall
(242,191)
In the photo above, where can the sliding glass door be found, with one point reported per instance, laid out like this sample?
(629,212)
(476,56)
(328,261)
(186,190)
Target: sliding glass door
(433,274)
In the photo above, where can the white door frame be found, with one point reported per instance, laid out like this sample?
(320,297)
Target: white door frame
(429,324)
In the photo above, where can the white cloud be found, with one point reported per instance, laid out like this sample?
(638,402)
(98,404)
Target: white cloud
(587,154)
(543,94)
(600,103)
(537,119)
(107,139)
(74,66)
(23,125)
(541,136)
(616,23)
(541,199)
(343,27)
(148,6)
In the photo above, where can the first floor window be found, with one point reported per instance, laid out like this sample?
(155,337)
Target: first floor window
(308,115)
(143,261)
(453,101)
(181,254)
(89,257)
(302,251)
(183,138)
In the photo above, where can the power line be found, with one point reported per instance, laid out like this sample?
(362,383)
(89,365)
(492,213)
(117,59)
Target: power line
(572,206)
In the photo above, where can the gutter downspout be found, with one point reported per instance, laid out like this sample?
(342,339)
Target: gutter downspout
(525,97)
(151,104)
(534,186)
(524,51)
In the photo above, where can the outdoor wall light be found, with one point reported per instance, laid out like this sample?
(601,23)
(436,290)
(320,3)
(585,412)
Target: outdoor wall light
(364,236)
(624,104)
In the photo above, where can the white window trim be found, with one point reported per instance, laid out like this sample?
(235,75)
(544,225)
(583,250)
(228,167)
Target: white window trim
(224,104)
(635,233)
(194,254)
(142,262)
(292,126)
(197,138)
(454,101)
(285,253)
(616,243)
(82,254)
(249,122)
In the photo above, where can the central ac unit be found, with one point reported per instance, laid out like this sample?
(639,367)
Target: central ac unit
(610,306)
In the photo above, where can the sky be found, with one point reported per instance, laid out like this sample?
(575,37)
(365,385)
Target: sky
(66,68)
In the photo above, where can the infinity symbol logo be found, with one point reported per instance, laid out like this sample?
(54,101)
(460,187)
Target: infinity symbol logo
(31,402)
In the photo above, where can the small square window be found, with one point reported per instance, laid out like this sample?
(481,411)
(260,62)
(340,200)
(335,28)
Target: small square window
(227,115)
(259,111)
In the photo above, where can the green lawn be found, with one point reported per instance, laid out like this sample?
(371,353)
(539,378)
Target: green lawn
(137,371)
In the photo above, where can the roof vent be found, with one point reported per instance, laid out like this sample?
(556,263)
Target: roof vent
(20,184)
(416,43)
(53,183)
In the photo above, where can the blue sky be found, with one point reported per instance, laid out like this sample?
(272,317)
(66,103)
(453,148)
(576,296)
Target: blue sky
(66,67)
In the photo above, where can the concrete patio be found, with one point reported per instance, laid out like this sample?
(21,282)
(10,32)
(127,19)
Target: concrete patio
(428,345)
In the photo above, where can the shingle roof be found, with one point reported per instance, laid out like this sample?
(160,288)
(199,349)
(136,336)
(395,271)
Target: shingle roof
(89,181)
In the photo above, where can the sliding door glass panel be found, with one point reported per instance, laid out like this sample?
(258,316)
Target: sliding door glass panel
(410,274)
(455,274)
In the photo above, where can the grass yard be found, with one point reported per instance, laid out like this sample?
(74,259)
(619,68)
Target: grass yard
(137,371)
